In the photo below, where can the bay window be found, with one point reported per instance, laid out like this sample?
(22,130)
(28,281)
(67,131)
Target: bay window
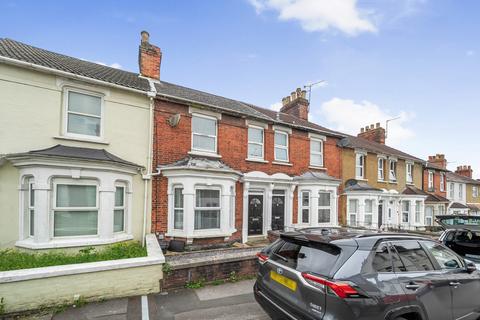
(119,210)
(353,211)
(207,209)
(281,146)
(360,166)
(204,133)
(393,170)
(305,207)
(316,152)
(405,211)
(368,212)
(418,211)
(178,208)
(255,143)
(75,210)
(83,114)
(324,207)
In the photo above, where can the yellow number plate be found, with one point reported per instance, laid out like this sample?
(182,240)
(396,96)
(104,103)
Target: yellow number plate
(289,283)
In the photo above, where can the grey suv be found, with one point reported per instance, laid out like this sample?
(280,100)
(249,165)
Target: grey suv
(346,275)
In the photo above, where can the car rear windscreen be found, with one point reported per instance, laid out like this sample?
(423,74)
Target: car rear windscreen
(313,258)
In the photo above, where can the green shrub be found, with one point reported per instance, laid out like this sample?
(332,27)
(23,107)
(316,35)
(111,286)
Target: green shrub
(12,259)
(195,284)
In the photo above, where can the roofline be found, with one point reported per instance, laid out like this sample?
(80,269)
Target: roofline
(412,158)
(38,67)
(160,95)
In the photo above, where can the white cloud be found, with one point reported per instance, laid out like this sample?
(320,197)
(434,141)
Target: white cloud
(115,65)
(276,106)
(349,116)
(320,15)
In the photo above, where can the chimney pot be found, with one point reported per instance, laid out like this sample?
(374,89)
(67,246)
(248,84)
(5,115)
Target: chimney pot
(372,126)
(362,130)
(145,36)
(377,125)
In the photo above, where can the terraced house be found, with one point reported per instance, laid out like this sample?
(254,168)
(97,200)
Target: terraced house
(74,150)
(381,186)
(435,186)
(230,171)
(463,192)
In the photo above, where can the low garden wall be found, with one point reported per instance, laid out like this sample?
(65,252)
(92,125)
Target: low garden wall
(29,289)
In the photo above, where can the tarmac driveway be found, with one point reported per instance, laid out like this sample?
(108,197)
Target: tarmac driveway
(222,302)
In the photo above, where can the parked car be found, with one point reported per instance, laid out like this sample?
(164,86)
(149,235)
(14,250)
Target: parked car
(347,275)
(461,234)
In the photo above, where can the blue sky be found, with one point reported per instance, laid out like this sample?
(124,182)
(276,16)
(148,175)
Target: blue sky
(417,59)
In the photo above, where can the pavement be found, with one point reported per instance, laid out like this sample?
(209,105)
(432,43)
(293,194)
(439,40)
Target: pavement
(221,302)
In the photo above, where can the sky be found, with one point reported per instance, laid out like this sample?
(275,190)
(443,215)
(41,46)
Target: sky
(415,60)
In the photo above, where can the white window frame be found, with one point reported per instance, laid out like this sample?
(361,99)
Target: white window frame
(195,208)
(30,207)
(199,115)
(122,207)
(368,213)
(321,164)
(350,213)
(431,181)
(83,182)
(303,207)
(329,207)
(262,144)
(475,191)
(452,190)
(66,112)
(360,167)
(381,169)
(418,211)
(180,187)
(409,172)
(392,171)
(442,181)
(406,212)
(429,219)
(460,191)
(277,146)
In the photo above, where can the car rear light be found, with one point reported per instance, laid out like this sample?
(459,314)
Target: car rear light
(341,289)
(262,257)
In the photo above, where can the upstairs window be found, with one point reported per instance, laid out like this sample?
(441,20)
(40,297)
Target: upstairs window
(360,166)
(316,152)
(410,173)
(475,191)
(83,114)
(204,133)
(452,190)
(430,180)
(393,170)
(442,182)
(281,146)
(381,169)
(255,143)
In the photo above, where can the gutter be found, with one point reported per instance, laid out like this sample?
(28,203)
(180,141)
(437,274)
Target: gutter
(66,74)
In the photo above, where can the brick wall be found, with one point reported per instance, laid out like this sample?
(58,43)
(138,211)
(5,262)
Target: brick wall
(174,143)
(436,183)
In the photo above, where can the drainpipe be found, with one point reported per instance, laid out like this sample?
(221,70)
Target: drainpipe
(147,176)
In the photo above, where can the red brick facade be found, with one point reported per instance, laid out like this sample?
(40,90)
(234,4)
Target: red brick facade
(173,143)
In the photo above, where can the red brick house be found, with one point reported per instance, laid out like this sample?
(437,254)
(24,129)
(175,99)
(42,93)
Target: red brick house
(435,185)
(230,171)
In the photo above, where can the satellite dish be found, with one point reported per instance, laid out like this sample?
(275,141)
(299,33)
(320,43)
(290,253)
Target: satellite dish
(350,183)
(174,120)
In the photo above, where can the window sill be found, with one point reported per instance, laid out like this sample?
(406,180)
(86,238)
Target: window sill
(282,163)
(317,167)
(199,234)
(381,181)
(69,243)
(393,182)
(82,140)
(256,160)
(204,154)
(361,179)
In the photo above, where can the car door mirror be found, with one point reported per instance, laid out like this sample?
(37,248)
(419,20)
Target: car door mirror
(470,266)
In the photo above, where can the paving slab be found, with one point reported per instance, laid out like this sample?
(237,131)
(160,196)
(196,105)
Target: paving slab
(225,290)
(245,311)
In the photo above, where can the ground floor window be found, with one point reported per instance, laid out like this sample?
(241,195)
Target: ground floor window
(405,211)
(305,207)
(75,210)
(207,209)
(429,215)
(324,207)
(178,208)
(368,212)
(353,211)
(31,208)
(418,208)
(119,210)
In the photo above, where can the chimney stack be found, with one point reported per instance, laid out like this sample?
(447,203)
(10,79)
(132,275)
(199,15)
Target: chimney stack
(373,132)
(149,57)
(465,171)
(296,104)
(439,160)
